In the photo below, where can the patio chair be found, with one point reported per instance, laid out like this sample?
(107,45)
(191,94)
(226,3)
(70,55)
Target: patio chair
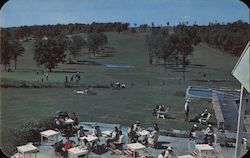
(162,114)
(204,121)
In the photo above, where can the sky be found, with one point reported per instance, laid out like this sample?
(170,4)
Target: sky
(43,12)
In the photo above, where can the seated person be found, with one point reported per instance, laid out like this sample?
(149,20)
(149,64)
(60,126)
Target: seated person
(153,137)
(58,124)
(75,118)
(68,130)
(137,126)
(114,137)
(167,153)
(202,115)
(118,85)
(58,146)
(192,133)
(123,85)
(80,133)
(162,108)
(97,131)
(155,110)
(86,145)
(119,143)
(132,135)
(209,134)
(67,145)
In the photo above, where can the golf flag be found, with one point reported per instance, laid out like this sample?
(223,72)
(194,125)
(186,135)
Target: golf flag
(241,70)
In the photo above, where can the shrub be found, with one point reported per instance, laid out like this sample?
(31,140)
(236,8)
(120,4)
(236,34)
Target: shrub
(28,132)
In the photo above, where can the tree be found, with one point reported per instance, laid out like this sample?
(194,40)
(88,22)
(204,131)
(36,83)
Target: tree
(184,48)
(16,51)
(5,53)
(168,48)
(50,52)
(75,45)
(96,40)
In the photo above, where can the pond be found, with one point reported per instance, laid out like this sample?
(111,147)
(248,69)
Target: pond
(118,66)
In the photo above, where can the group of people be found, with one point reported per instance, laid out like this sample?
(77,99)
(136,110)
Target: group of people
(203,115)
(209,134)
(75,76)
(62,147)
(118,85)
(43,76)
(158,108)
(150,139)
(168,153)
(62,126)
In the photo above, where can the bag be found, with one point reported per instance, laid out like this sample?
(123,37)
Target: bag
(100,149)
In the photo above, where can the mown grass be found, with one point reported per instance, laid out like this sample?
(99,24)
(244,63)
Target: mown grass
(114,106)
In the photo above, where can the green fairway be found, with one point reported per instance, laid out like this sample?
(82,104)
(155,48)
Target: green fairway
(115,106)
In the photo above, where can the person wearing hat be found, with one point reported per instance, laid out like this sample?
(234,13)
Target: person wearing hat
(193,130)
(209,134)
(186,109)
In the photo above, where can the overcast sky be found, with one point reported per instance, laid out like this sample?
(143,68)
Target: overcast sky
(39,12)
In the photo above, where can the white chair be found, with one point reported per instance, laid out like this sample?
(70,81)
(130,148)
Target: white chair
(162,114)
(205,120)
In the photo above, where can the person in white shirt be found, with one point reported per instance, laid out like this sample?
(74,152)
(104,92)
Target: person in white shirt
(119,143)
(167,153)
(114,137)
(209,134)
(137,126)
(80,133)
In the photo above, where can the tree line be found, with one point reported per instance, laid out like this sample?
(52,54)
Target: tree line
(169,43)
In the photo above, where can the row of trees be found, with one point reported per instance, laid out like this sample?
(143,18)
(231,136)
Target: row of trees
(230,38)
(39,31)
(51,50)
(171,46)
(11,49)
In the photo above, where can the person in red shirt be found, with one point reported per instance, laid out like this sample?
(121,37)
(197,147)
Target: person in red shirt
(67,145)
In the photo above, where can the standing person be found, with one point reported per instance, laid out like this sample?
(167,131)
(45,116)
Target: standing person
(66,79)
(186,109)
(47,77)
(72,78)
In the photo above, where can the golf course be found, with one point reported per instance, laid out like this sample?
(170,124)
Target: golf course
(146,85)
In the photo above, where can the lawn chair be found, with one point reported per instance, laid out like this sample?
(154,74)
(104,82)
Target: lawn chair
(162,114)
(204,121)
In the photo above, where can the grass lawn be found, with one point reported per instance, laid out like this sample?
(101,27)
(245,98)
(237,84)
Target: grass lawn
(114,106)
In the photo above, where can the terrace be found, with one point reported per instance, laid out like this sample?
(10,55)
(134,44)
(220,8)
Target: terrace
(179,140)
